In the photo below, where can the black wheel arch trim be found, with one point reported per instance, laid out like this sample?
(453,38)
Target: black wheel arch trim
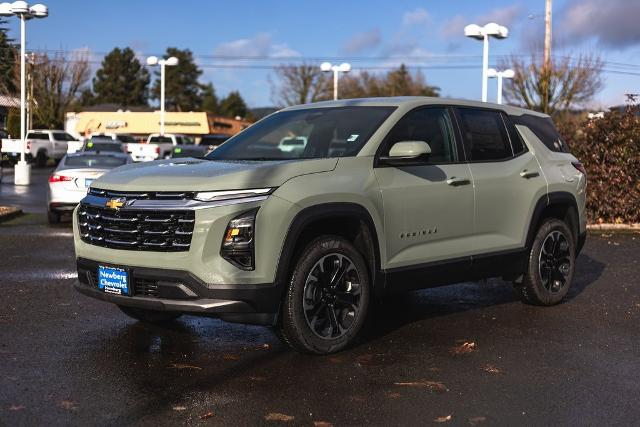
(322,212)
(555,198)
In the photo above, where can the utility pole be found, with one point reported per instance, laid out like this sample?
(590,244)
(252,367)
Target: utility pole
(546,66)
(547,35)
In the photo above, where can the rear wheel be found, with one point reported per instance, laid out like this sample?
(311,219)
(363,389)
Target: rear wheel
(327,298)
(149,316)
(53,217)
(41,159)
(551,265)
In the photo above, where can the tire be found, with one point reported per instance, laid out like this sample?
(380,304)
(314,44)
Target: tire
(327,298)
(53,217)
(41,159)
(149,316)
(551,265)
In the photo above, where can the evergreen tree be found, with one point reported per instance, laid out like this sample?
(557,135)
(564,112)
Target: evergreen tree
(121,79)
(8,57)
(209,99)
(233,105)
(182,89)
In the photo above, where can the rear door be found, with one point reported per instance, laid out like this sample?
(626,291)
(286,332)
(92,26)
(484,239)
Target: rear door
(507,178)
(428,209)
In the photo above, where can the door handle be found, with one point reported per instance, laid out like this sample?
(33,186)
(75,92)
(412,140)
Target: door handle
(458,181)
(529,174)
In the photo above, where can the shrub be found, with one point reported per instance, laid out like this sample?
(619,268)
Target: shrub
(608,148)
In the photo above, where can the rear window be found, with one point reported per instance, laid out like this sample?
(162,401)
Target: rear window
(544,129)
(34,135)
(104,146)
(106,162)
(62,136)
(160,139)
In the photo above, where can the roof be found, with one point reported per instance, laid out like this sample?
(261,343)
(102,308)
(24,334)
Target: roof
(9,101)
(414,101)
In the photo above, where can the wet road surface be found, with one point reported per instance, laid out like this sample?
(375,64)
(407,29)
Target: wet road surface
(465,354)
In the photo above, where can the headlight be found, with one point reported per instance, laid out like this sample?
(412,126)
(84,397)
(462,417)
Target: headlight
(238,242)
(213,196)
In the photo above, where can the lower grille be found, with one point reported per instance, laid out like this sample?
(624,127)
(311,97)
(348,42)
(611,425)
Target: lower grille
(143,230)
(144,287)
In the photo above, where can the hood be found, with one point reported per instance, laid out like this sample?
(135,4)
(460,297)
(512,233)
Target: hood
(190,174)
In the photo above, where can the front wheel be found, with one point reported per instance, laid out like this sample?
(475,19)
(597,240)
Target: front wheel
(327,298)
(551,265)
(149,316)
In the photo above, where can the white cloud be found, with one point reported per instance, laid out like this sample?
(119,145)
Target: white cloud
(507,16)
(415,17)
(363,41)
(613,23)
(259,45)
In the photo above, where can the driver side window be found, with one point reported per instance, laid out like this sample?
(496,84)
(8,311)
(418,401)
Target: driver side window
(431,125)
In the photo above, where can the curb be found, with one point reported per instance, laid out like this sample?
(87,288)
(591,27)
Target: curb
(7,213)
(621,228)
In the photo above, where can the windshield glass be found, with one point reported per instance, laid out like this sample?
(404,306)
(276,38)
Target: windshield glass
(305,134)
(104,162)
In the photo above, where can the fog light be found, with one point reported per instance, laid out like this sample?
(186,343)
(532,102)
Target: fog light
(237,244)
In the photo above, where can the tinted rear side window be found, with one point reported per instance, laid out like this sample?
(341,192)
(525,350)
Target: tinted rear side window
(38,136)
(544,129)
(484,134)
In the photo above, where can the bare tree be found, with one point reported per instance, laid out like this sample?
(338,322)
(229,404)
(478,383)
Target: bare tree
(299,84)
(555,87)
(57,81)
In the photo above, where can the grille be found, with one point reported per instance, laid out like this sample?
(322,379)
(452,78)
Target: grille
(146,230)
(141,195)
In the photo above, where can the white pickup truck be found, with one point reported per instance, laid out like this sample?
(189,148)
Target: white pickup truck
(42,145)
(157,146)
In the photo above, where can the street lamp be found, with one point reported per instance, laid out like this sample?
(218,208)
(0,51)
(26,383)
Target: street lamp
(170,62)
(506,74)
(483,33)
(342,68)
(24,12)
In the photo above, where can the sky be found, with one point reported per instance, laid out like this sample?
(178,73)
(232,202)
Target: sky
(237,42)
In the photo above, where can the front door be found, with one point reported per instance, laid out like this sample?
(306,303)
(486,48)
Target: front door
(428,209)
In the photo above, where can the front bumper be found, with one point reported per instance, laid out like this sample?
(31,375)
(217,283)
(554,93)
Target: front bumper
(180,291)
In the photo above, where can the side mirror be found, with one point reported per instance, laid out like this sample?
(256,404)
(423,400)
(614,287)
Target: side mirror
(407,153)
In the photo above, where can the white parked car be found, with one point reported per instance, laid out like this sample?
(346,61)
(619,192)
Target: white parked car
(42,145)
(68,184)
(157,146)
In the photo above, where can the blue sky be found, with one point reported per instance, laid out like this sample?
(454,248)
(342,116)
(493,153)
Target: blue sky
(386,32)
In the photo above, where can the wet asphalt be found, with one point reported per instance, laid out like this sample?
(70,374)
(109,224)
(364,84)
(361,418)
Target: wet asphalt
(468,354)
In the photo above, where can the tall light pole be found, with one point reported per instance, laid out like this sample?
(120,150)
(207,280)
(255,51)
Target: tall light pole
(506,74)
(337,69)
(23,11)
(483,33)
(171,61)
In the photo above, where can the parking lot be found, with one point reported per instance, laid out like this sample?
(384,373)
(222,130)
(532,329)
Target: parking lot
(465,354)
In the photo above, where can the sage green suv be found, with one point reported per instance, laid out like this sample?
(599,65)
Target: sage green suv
(370,196)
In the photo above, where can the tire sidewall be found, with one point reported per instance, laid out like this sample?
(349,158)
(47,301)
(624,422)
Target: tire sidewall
(294,299)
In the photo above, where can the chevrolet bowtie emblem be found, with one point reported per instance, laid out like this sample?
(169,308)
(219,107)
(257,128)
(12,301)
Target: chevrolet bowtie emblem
(115,203)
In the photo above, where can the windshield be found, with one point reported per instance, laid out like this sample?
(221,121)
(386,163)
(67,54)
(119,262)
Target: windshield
(104,162)
(305,134)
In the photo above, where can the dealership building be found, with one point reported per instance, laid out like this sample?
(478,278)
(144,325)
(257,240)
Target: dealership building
(142,123)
